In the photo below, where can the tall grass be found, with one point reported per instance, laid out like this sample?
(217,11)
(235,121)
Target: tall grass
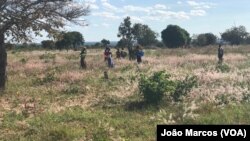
(48,97)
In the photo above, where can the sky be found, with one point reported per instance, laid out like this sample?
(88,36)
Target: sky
(196,16)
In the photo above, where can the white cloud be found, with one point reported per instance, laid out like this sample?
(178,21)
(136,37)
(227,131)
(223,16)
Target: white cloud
(101,25)
(193,3)
(107,15)
(95,25)
(90,1)
(163,15)
(200,5)
(181,15)
(152,18)
(179,2)
(92,4)
(108,6)
(198,12)
(104,1)
(132,8)
(160,6)
(105,25)
(156,12)
(136,19)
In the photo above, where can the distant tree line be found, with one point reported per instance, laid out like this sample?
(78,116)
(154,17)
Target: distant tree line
(174,36)
(68,40)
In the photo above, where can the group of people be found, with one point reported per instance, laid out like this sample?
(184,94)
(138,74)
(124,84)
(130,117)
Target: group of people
(122,54)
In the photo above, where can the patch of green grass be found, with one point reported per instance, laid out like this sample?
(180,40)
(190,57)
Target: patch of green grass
(230,114)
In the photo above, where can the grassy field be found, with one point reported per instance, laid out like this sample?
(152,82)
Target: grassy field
(49,98)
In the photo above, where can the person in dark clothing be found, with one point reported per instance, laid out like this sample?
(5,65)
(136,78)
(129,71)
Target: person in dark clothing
(82,58)
(118,54)
(123,53)
(139,53)
(110,60)
(220,54)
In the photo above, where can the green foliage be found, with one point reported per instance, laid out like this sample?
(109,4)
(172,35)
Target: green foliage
(154,88)
(70,39)
(101,135)
(144,35)
(126,35)
(235,35)
(49,77)
(183,87)
(222,67)
(174,36)
(74,89)
(121,43)
(105,42)
(24,60)
(246,95)
(205,39)
(56,135)
(125,29)
(47,56)
(48,44)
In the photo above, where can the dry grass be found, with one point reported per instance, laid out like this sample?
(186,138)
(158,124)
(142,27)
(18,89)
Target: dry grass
(71,86)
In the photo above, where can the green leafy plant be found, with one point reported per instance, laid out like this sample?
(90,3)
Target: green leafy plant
(154,88)
(183,87)
(49,77)
(222,68)
(23,60)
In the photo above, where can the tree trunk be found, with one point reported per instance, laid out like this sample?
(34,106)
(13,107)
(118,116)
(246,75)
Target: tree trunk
(3,62)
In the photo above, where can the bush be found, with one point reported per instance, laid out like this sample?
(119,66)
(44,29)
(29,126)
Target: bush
(222,68)
(74,89)
(23,60)
(47,56)
(183,87)
(154,88)
(49,77)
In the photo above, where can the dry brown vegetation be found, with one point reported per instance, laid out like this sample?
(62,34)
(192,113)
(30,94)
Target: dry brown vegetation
(46,86)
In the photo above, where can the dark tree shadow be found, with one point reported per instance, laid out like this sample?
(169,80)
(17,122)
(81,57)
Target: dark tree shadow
(140,106)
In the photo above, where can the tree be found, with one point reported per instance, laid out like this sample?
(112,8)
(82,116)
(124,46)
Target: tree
(48,44)
(76,39)
(235,35)
(105,42)
(205,39)
(144,35)
(174,36)
(125,32)
(19,18)
(69,39)
(211,38)
(201,40)
(73,39)
(121,43)
(97,45)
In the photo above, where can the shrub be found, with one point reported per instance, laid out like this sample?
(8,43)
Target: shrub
(23,60)
(74,89)
(49,77)
(154,88)
(183,87)
(48,56)
(222,68)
